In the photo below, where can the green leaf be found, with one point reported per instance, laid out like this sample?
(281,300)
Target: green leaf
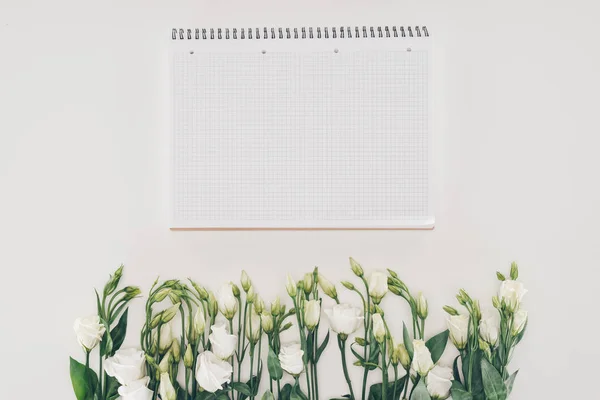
(455,369)
(420,392)
(376,390)
(286,392)
(492,382)
(510,382)
(407,341)
(459,392)
(118,333)
(106,344)
(374,356)
(268,396)
(521,334)
(322,347)
(297,394)
(274,366)
(437,345)
(83,379)
(205,396)
(358,356)
(475,377)
(112,387)
(242,388)
(181,394)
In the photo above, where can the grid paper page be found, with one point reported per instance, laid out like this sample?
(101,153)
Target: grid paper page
(330,137)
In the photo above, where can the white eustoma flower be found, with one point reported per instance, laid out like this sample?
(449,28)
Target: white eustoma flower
(166,337)
(489,326)
(344,319)
(378,286)
(459,329)
(212,372)
(519,321)
(126,366)
(379,330)
(422,362)
(512,292)
(89,331)
(136,390)
(166,389)
(439,382)
(223,344)
(290,357)
(312,313)
(253,326)
(228,304)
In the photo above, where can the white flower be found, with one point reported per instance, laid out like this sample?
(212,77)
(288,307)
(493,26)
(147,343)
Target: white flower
(489,326)
(136,390)
(89,331)
(378,286)
(212,372)
(312,313)
(166,389)
(166,337)
(439,381)
(379,330)
(290,286)
(459,330)
(227,301)
(344,319)
(290,357)
(253,326)
(512,292)
(127,365)
(519,321)
(421,362)
(223,344)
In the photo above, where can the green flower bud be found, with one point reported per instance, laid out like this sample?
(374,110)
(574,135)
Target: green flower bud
(113,281)
(164,363)
(286,327)
(150,360)
(213,306)
(360,341)
(393,274)
(308,283)
(250,296)
(169,313)
(188,358)
(266,321)
(379,310)
(356,268)
(395,290)
(161,294)
(422,308)
(276,307)
(175,297)
(156,320)
(348,285)
(202,293)
(403,356)
(514,271)
(176,350)
(500,276)
(235,289)
(131,292)
(450,310)
(259,304)
(328,287)
(245,281)
(496,302)
(290,286)
(171,283)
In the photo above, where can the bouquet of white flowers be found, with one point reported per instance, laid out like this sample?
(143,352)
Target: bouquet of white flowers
(196,344)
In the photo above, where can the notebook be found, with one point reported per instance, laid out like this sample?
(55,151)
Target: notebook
(301,128)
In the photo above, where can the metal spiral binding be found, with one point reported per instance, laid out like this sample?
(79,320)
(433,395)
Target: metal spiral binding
(300,33)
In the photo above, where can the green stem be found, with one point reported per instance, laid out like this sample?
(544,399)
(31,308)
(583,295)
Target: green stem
(407,382)
(316,376)
(303,339)
(367,313)
(384,371)
(251,370)
(396,380)
(100,375)
(157,360)
(342,346)
(232,367)
(422,328)
(278,388)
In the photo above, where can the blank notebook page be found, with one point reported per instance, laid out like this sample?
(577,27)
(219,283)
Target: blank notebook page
(306,133)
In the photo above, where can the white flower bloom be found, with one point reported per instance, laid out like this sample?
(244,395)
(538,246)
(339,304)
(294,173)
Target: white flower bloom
(253,332)
(223,344)
(379,330)
(519,321)
(344,319)
(228,304)
(439,381)
(211,372)
(136,390)
(312,313)
(512,292)
(489,326)
(126,366)
(89,331)
(166,337)
(459,329)
(290,357)
(421,362)
(166,389)
(378,286)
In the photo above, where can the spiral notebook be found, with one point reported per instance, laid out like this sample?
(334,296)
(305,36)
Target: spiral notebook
(301,128)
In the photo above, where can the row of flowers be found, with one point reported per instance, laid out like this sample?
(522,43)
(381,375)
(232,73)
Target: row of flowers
(199,345)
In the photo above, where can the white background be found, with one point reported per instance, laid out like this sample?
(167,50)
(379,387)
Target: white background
(84,175)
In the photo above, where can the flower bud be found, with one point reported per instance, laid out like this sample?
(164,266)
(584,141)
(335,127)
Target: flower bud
(171,283)
(176,350)
(356,268)
(378,328)
(450,310)
(496,302)
(393,274)
(213,306)
(259,304)
(378,286)
(359,341)
(175,297)
(164,363)
(235,289)
(199,322)
(379,310)
(150,360)
(422,309)
(286,327)
(308,283)
(250,295)
(153,347)
(266,321)
(202,293)
(348,285)
(156,320)
(519,322)
(328,287)
(161,294)
(169,313)
(253,326)
(485,347)
(312,314)
(514,271)
(132,292)
(403,356)
(113,281)
(188,358)
(276,307)
(290,286)
(395,290)
(500,276)
(245,281)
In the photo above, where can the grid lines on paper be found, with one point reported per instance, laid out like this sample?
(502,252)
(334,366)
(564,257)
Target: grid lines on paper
(307,136)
